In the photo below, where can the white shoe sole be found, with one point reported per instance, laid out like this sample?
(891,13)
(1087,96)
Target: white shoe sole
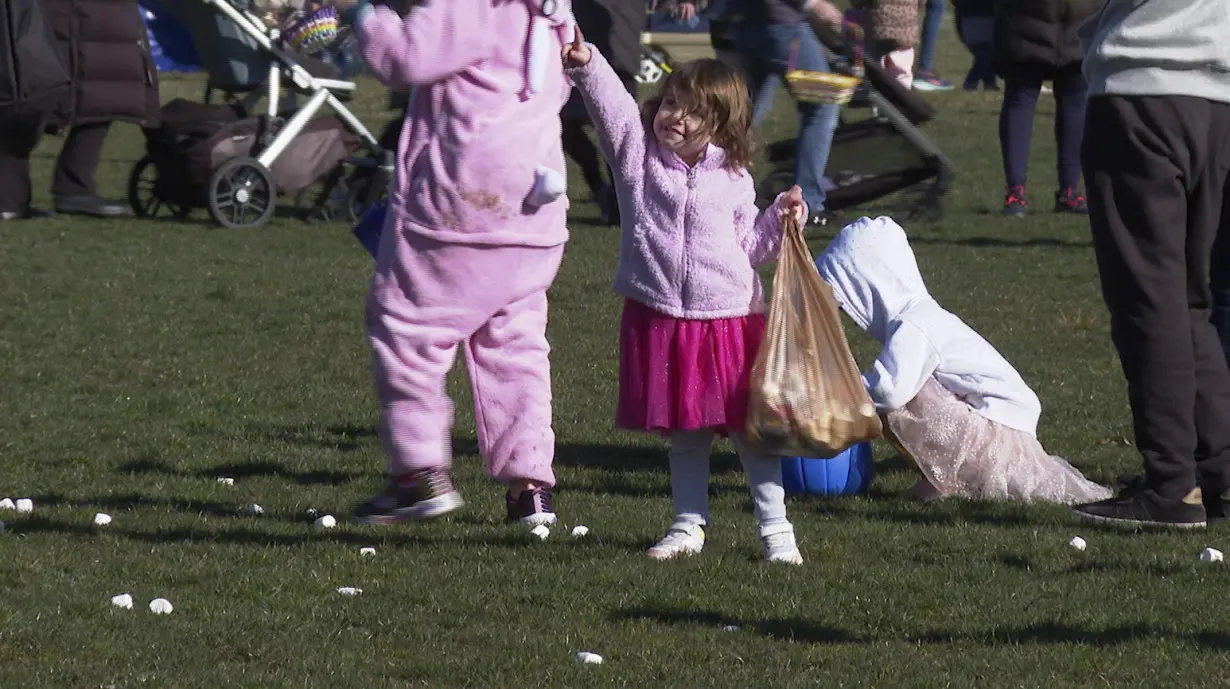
(539,519)
(1137,522)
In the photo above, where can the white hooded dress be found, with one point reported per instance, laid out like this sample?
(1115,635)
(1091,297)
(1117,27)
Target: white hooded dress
(951,401)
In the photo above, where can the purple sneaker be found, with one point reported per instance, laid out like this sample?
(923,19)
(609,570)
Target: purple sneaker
(415,496)
(532,507)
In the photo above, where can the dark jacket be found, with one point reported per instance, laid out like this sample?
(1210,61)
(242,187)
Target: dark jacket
(32,77)
(1039,34)
(614,27)
(106,49)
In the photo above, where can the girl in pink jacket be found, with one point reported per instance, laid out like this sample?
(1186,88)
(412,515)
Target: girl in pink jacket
(694,311)
(474,237)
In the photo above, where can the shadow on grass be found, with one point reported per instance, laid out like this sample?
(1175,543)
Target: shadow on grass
(797,630)
(243,536)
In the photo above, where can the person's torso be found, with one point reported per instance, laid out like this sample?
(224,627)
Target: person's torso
(681,253)
(973,370)
(472,143)
(615,27)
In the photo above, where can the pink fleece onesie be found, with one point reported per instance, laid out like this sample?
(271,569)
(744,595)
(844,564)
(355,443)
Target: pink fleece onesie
(476,227)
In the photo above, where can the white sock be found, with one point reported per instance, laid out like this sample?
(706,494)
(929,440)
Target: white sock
(689,459)
(764,476)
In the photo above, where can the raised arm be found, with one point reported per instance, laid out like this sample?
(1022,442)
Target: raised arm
(760,232)
(614,111)
(903,367)
(437,39)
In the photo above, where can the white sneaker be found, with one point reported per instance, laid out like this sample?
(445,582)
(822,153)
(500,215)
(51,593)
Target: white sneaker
(779,545)
(680,539)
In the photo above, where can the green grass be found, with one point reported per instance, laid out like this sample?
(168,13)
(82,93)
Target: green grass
(144,359)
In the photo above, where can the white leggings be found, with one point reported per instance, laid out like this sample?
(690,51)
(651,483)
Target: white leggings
(689,458)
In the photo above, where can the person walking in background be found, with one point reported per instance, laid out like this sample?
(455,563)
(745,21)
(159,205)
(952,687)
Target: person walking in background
(1157,159)
(771,35)
(1035,41)
(615,26)
(113,80)
(975,20)
(925,78)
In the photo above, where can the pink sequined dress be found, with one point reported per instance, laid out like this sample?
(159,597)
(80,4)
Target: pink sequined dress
(678,374)
(964,454)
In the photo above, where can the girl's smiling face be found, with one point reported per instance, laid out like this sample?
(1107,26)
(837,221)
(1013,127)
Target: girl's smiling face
(678,130)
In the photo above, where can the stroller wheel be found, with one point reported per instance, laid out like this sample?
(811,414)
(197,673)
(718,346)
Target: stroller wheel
(242,194)
(145,197)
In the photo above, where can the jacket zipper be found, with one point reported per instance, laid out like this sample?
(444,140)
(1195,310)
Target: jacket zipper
(685,297)
(18,87)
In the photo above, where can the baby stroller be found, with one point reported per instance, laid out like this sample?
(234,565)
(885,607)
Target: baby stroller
(874,156)
(234,162)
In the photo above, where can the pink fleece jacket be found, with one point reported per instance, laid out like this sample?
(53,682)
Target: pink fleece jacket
(483,125)
(692,236)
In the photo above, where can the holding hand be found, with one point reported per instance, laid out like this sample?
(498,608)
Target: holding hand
(792,202)
(828,13)
(685,11)
(576,54)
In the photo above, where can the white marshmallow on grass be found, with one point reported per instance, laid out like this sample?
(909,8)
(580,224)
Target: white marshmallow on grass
(541,531)
(580,531)
(349,591)
(7,504)
(326,522)
(101,519)
(1211,555)
(367,551)
(226,481)
(254,509)
(589,658)
(161,606)
(25,505)
(731,628)
(1078,543)
(124,600)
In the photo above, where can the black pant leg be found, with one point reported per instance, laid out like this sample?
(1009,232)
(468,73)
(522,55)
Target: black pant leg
(78,161)
(21,137)
(1147,166)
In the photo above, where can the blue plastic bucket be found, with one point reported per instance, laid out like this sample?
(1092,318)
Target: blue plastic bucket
(849,473)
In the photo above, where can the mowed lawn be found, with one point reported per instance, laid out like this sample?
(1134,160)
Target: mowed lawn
(144,360)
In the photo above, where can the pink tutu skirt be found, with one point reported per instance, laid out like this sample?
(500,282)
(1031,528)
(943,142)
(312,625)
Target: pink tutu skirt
(677,374)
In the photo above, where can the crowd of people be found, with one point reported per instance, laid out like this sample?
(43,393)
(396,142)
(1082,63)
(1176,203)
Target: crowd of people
(477,227)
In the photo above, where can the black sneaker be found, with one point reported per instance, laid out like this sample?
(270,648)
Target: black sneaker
(419,495)
(1138,506)
(1071,201)
(1015,204)
(1215,503)
(532,507)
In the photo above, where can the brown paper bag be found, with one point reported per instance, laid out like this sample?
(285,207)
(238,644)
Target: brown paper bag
(807,398)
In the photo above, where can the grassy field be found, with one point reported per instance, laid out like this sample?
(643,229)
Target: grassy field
(142,360)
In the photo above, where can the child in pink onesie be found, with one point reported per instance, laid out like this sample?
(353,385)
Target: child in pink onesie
(474,237)
(694,311)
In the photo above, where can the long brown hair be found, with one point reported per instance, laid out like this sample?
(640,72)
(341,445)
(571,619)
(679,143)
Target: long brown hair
(718,95)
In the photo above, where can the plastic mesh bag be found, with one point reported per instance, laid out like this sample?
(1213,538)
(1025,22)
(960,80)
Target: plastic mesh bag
(807,398)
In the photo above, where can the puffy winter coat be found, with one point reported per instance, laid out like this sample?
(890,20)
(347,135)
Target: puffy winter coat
(1039,34)
(32,76)
(105,46)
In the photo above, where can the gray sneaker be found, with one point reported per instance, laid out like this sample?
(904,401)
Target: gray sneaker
(426,494)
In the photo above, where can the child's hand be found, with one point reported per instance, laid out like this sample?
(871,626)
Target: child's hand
(576,54)
(792,202)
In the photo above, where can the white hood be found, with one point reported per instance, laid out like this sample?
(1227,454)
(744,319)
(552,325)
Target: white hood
(872,271)
(875,279)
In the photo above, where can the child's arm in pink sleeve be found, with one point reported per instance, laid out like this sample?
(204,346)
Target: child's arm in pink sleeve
(437,39)
(759,232)
(616,115)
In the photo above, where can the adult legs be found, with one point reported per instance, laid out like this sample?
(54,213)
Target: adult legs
(1016,124)
(73,183)
(1069,95)
(933,18)
(21,137)
(1157,170)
